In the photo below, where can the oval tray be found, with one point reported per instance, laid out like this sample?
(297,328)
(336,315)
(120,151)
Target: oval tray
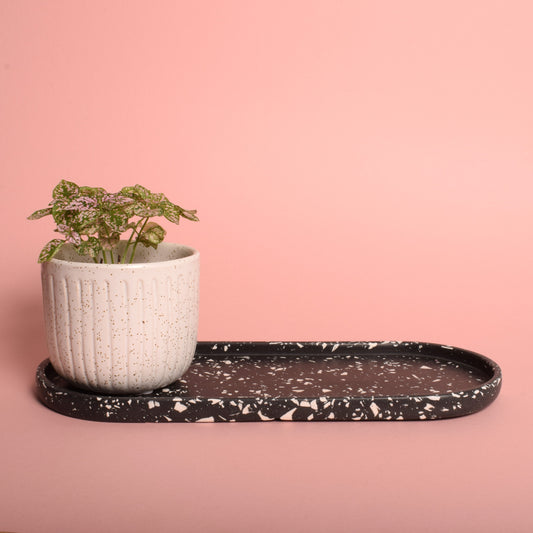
(304,381)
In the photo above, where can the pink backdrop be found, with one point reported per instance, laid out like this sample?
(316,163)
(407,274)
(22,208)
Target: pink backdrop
(362,171)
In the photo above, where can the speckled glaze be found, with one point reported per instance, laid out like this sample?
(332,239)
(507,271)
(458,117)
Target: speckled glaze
(122,329)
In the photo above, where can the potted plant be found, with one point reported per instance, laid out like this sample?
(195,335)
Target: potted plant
(120,318)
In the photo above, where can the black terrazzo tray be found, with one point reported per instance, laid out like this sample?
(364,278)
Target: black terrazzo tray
(260,381)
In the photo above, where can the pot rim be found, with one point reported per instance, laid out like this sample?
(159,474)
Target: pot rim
(192,256)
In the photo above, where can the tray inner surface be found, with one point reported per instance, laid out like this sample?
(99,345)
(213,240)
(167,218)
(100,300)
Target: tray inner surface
(304,375)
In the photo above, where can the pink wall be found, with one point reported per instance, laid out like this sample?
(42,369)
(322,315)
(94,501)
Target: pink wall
(362,171)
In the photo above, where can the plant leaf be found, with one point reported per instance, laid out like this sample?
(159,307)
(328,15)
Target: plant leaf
(65,190)
(190,215)
(40,213)
(111,242)
(152,234)
(88,230)
(143,195)
(92,192)
(84,221)
(156,199)
(116,221)
(90,247)
(59,213)
(138,192)
(116,200)
(129,192)
(172,212)
(71,236)
(81,203)
(50,249)
(145,211)
(142,192)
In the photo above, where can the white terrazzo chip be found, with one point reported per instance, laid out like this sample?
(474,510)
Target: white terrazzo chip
(180,407)
(288,415)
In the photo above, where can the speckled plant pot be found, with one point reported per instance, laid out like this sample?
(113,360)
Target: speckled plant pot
(122,329)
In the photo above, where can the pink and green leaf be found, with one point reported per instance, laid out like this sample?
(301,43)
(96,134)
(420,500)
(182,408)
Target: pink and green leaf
(40,213)
(116,221)
(65,190)
(92,192)
(152,234)
(50,250)
(190,215)
(173,212)
(145,211)
(90,247)
(110,242)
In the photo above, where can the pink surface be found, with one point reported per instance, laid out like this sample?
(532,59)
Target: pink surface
(362,171)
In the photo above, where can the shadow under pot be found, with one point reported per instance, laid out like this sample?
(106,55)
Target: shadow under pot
(122,328)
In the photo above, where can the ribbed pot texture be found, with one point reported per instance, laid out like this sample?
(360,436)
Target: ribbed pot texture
(122,329)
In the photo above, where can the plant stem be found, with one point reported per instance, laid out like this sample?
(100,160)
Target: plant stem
(137,240)
(133,231)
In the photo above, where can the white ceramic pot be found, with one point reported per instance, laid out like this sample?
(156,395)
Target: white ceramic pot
(122,328)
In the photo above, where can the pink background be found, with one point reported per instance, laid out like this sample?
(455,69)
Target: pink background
(362,171)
